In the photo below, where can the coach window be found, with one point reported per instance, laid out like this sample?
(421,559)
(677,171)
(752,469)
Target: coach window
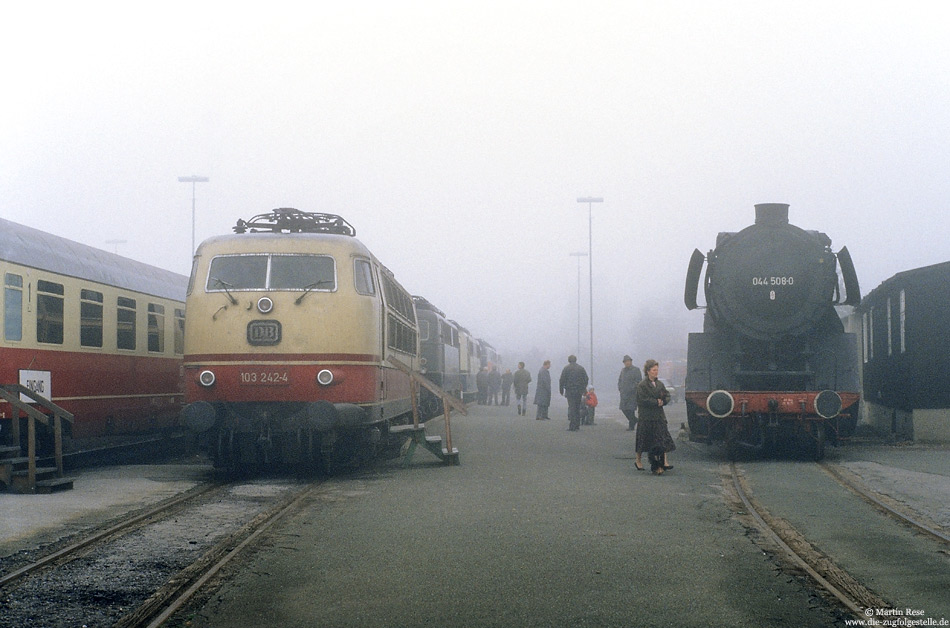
(423,330)
(125,332)
(49,312)
(179,331)
(363,277)
(90,318)
(13,307)
(156,328)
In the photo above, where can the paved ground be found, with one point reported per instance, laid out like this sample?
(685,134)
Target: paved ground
(538,526)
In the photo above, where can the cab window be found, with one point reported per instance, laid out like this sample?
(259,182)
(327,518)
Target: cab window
(363,277)
(230,273)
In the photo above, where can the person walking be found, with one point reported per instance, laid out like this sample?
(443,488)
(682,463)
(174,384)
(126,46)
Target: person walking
(590,406)
(573,385)
(627,385)
(542,393)
(652,430)
(521,378)
(506,381)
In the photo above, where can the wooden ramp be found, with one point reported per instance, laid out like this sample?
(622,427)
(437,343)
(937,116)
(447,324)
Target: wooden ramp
(417,431)
(19,473)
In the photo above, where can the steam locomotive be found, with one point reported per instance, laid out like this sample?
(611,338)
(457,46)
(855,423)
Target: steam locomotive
(773,365)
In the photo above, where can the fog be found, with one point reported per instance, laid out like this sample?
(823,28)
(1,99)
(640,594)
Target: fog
(457,138)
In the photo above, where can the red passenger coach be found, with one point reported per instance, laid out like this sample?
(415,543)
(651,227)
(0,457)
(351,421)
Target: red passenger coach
(99,334)
(291,324)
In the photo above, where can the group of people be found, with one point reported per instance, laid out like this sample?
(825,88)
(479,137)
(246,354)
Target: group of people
(489,383)
(641,400)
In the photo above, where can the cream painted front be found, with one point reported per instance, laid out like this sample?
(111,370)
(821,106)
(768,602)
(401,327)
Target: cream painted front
(218,326)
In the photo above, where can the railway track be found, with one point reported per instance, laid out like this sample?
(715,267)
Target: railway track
(829,577)
(140,571)
(885,504)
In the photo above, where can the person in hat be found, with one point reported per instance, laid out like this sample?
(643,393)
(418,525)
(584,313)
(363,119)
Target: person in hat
(627,385)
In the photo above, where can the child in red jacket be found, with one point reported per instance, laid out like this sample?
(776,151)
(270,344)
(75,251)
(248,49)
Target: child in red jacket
(590,403)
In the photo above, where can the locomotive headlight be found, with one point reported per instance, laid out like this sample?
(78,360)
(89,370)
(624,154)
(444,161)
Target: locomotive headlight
(206,379)
(828,404)
(325,377)
(265,305)
(720,403)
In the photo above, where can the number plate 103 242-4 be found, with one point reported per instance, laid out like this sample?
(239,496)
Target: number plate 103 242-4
(264,378)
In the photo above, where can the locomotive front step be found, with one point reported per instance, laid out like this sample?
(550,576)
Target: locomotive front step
(417,436)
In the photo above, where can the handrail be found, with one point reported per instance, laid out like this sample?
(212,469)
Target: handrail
(448,399)
(9,393)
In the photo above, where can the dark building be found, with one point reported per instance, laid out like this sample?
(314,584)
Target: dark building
(906,354)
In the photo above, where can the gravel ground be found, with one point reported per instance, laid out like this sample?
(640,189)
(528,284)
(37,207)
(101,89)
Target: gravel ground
(113,579)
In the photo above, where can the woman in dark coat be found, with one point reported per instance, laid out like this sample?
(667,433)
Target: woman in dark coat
(542,392)
(652,429)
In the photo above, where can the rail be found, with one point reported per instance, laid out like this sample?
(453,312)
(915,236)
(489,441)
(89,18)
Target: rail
(11,394)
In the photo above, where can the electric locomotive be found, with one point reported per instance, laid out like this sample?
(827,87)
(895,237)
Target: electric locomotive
(469,364)
(440,355)
(291,326)
(773,365)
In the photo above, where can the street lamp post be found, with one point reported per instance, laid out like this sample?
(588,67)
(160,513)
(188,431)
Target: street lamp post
(578,255)
(193,179)
(590,261)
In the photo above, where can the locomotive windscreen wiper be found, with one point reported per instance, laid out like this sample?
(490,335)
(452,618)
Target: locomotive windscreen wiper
(225,285)
(308,289)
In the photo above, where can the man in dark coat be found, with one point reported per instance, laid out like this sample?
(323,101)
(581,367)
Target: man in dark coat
(542,393)
(627,385)
(573,385)
(521,379)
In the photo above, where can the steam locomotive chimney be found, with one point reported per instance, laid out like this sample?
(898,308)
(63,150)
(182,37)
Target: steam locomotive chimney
(771,214)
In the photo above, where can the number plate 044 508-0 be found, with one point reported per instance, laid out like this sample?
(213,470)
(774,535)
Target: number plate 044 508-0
(263,333)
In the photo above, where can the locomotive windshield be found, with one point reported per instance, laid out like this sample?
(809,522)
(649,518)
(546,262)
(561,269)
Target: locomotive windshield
(272,272)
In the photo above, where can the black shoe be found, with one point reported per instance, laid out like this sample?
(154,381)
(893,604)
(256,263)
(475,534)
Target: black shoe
(667,466)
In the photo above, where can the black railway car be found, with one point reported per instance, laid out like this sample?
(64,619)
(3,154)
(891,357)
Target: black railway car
(773,365)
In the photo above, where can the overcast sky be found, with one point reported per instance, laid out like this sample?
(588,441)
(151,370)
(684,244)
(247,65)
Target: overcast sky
(457,137)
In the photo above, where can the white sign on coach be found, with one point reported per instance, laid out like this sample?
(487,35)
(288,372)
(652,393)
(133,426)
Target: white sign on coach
(39,382)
